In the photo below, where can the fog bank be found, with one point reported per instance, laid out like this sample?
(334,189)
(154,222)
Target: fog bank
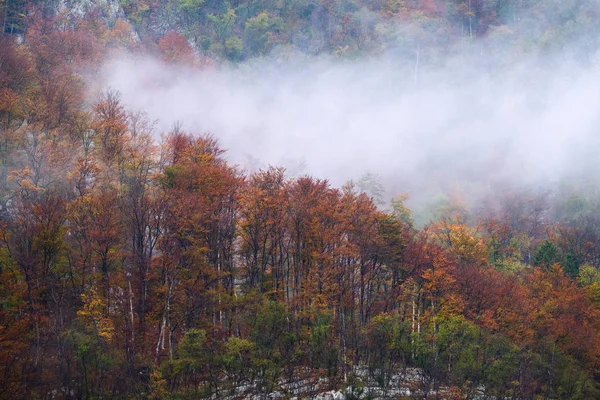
(421,128)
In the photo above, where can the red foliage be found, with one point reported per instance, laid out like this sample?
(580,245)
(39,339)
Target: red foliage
(175,48)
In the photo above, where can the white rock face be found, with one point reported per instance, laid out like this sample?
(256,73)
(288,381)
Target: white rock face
(315,388)
(331,395)
(78,8)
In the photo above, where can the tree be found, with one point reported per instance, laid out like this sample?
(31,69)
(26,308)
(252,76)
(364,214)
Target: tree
(546,255)
(262,217)
(371,185)
(401,211)
(261,33)
(176,49)
(110,126)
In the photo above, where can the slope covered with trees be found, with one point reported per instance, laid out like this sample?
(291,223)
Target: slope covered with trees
(242,29)
(140,264)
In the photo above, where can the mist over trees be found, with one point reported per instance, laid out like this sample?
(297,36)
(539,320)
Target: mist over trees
(138,261)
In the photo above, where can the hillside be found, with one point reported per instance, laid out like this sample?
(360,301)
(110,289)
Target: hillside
(140,261)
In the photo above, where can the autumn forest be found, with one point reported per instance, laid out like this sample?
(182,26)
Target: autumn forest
(141,263)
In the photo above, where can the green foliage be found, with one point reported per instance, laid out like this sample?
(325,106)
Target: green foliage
(137,11)
(190,6)
(274,344)
(510,266)
(269,327)
(546,255)
(93,360)
(192,346)
(234,48)
(323,353)
(442,206)
(588,275)
(389,342)
(401,211)
(571,265)
(571,207)
(501,366)
(238,358)
(458,348)
(222,25)
(260,33)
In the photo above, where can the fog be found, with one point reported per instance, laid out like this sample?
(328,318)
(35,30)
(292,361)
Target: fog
(423,128)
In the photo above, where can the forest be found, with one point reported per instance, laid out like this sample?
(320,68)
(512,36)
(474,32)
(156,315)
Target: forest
(137,263)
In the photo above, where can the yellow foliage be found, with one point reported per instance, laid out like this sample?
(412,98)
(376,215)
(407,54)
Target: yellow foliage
(462,242)
(93,313)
